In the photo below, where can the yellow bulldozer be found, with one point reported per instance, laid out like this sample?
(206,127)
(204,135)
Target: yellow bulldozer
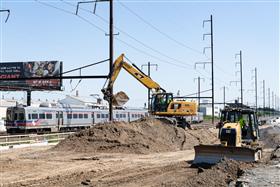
(238,134)
(163,105)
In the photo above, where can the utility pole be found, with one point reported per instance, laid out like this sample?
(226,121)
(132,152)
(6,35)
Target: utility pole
(224,95)
(263,94)
(241,77)
(111,57)
(149,74)
(212,67)
(198,89)
(111,45)
(256,89)
(263,88)
(28,101)
(269,100)
(272,100)
(212,60)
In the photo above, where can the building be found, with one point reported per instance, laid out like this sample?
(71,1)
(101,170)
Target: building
(206,109)
(82,101)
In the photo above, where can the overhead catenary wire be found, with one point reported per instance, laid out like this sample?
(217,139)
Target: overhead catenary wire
(182,65)
(165,34)
(145,45)
(158,30)
(179,64)
(129,35)
(71,13)
(196,93)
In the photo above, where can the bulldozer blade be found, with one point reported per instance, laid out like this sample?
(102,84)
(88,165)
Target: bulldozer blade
(211,154)
(120,99)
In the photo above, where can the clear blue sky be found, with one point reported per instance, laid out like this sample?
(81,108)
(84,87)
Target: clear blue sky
(39,32)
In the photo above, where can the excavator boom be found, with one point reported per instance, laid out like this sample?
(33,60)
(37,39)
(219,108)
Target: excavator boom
(121,98)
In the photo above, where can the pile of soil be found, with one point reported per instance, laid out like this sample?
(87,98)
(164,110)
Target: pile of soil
(140,137)
(221,174)
(270,137)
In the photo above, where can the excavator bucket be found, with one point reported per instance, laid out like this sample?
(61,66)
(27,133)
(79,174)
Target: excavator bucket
(120,98)
(211,154)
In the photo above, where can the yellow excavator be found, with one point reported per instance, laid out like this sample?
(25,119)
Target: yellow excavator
(163,105)
(238,134)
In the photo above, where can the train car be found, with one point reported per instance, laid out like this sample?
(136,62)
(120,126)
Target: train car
(48,119)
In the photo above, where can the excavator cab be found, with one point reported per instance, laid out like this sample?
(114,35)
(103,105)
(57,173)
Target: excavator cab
(160,102)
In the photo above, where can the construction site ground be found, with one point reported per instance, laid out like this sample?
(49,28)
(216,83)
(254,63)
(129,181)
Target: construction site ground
(143,153)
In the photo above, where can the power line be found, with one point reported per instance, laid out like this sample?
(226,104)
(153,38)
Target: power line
(180,65)
(158,30)
(130,36)
(143,44)
(101,29)
(71,13)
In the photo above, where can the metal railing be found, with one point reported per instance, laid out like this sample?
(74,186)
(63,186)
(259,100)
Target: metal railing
(32,138)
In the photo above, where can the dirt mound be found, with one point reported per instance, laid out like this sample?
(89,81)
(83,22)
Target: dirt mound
(140,137)
(219,175)
(270,137)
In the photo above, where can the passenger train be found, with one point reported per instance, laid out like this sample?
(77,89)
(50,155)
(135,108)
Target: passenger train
(47,119)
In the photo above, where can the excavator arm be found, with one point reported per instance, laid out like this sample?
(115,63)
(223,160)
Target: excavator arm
(132,70)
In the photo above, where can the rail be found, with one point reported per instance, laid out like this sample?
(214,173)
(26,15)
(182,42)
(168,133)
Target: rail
(32,138)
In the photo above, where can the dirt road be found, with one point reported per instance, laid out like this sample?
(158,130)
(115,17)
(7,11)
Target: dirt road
(144,153)
(39,167)
(122,155)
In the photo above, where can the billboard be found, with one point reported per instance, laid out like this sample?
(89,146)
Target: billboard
(32,69)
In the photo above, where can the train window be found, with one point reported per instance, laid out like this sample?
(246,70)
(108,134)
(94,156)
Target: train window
(81,116)
(49,116)
(98,115)
(69,116)
(42,116)
(61,115)
(124,115)
(29,116)
(106,115)
(9,115)
(117,116)
(15,116)
(34,116)
(75,116)
(20,116)
(103,116)
(85,116)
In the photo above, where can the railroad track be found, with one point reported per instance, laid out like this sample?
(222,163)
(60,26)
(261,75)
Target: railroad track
(11,140)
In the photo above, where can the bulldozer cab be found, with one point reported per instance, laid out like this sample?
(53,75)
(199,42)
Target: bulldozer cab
(247,120)
(160,102)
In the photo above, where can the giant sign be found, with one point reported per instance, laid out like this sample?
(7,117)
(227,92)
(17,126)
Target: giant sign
(25,70)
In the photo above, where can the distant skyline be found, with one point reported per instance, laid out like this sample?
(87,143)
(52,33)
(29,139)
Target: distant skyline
(167,33)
